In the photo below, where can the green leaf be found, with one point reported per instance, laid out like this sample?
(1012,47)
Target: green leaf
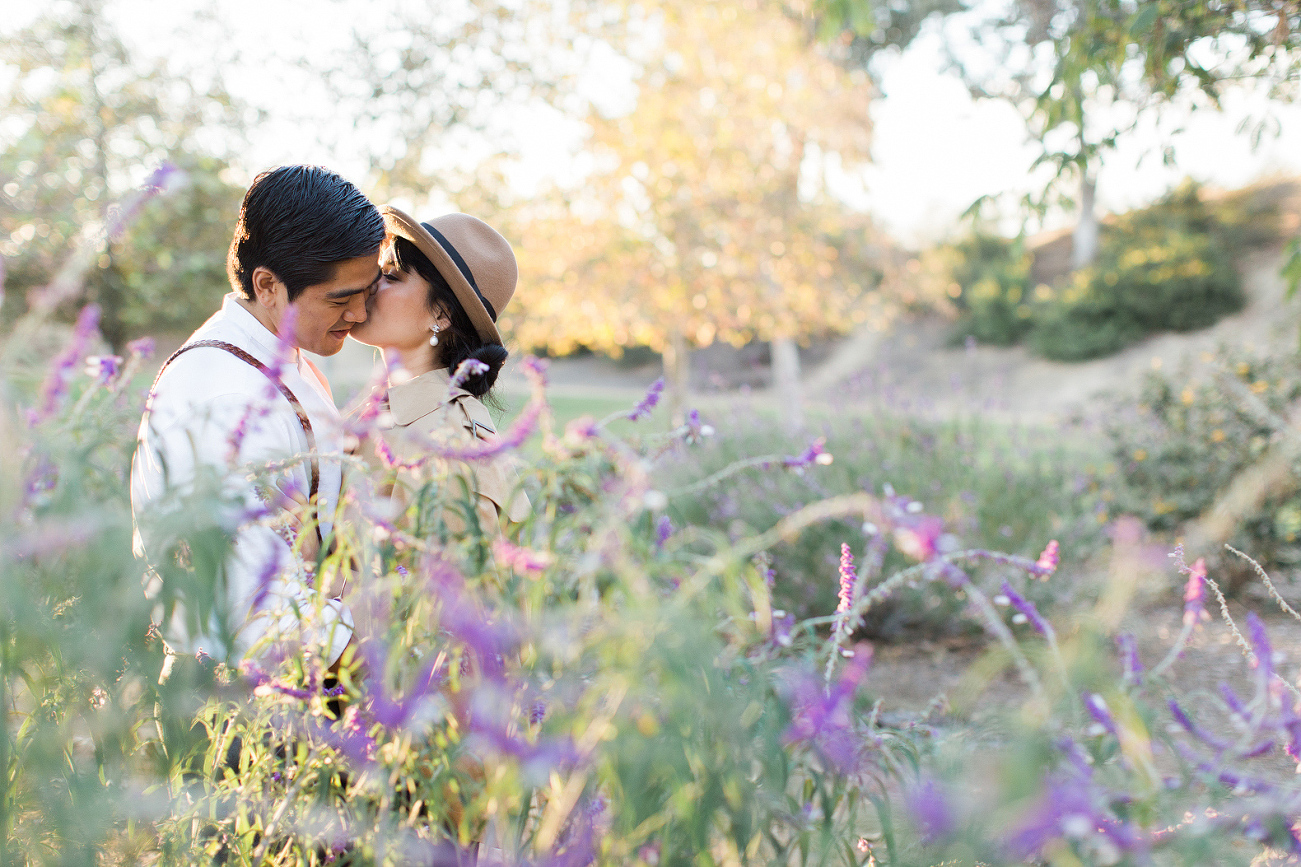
(1143,19)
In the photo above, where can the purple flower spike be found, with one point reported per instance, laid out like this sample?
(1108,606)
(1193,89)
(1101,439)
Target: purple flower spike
(1264,661)
(535,369)
(538,712)
(1048,560)
(823,720)
(56,382)
(1097,707)
(815,454)
(1195,594)
(931,806)
(1129,658)
(141,347)
(103,368)
(466,369)
(663,530)
(1027,609)
(848,578)
(524,560)
(649,402)
(918,536)
(1193,729)
(694,431)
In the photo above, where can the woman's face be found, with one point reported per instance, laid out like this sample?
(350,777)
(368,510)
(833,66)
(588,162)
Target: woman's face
(398,316)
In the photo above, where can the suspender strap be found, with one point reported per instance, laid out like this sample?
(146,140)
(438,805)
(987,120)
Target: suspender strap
(284,389)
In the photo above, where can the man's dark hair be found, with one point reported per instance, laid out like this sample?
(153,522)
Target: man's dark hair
(299,222)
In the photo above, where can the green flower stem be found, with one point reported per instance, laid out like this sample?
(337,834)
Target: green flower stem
(726,472)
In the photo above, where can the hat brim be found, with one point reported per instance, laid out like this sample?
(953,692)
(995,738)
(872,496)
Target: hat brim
(403,225)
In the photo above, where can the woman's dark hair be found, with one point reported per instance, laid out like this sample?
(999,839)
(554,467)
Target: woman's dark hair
(460,341)
(300,222)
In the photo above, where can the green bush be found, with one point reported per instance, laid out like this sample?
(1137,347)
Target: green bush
(994,487)
(1165,268)
(992,274)
(1185,440)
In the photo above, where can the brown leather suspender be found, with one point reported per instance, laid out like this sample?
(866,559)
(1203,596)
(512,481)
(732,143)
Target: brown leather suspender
(284,389)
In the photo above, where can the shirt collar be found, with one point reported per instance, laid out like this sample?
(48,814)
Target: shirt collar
(422,395)
(257,333)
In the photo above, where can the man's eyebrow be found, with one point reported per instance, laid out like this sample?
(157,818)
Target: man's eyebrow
(348,293)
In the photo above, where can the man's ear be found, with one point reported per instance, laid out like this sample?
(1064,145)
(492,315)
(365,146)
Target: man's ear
(268,291)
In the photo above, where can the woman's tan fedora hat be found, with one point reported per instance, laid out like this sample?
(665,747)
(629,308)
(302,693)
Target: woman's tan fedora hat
(474,259)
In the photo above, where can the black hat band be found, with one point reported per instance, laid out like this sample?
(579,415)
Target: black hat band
(461,266)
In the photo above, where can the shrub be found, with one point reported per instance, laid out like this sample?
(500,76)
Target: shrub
(992,279)
(994,486)
(1186,439)
(1165,268)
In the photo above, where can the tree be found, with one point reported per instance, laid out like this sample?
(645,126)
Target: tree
(1084,73)
(707,215)
(83,123)
(437,93)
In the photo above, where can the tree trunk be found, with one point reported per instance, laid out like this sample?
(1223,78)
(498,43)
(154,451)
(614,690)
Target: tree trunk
(677,369)
(786,382)
(1084,247)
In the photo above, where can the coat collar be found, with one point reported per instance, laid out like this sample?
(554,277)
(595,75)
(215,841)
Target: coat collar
(420,396)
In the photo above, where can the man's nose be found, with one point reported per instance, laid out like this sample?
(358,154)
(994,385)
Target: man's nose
(356,311)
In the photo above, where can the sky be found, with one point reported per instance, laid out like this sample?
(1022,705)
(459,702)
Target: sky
(935,149)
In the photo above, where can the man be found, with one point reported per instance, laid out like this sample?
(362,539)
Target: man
(240,395)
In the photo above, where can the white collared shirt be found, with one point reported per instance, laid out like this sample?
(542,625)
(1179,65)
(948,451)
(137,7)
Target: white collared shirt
(202,402)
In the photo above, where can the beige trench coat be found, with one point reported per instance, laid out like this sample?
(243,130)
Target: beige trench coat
(425,412)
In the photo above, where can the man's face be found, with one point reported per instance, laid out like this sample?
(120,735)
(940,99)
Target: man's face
(326,312)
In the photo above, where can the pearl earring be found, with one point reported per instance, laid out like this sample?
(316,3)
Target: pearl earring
(433,338)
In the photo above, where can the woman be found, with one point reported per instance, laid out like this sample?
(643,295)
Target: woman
(443,285)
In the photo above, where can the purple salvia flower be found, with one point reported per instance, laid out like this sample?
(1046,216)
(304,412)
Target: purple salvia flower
(1195,593)
(103,368)
(141,347)
(264,684)
(537,712)
(56,382)
(918,536)
(847,579)
(466,369)
(1234,703)
(1128,647)
(1027,609)
(1193,729)
(663,529)
(1097,708)
(814,454)
(1069,809)
(535,369)
(1048,560)
(1264,661)
(782,627)
(347,736)
(265,578)
(520,559)
(286,350)
(165,177)
(582,429)
(647,403)
(822,719)
(931,806)
(951,575)
(695,430)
